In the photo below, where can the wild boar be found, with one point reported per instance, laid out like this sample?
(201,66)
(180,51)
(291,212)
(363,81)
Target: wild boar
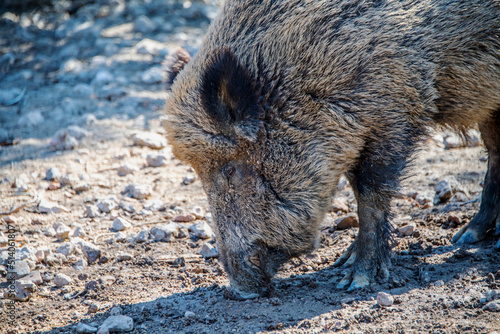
(285,96)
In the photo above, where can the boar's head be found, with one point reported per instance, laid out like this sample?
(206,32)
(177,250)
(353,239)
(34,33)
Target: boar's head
(266,186)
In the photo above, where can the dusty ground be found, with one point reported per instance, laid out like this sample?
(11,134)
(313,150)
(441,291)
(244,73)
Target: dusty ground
(94,71)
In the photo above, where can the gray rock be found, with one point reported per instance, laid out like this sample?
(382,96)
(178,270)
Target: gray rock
(91,211)
(154,205)
(23,290)
(54,259)
(34,277)
(138,191)
(385,299)
(208,251)
(189,314)
(79,232)
(142,236)
(91,252)
(85,329)
(62,231)
(149,139)
(116,324)
(63,141)
(144,24)
(444,190)
(117,310)
(126,169)
(127,206)
(21,268)
(107,204)
(67,249)
(121,224)
(493,306)
(80,264)
(68,180)
(201,230)
(61,280)
(198,212)
(81,187)
(165,232)
(52,174)
(156,160)
(45,206)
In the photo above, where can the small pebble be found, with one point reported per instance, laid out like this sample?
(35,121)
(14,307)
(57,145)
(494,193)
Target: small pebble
(208,251)
(385,299)
(347,222)
(61,280)
(121,224)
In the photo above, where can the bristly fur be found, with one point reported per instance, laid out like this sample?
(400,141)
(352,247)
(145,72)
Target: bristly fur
(284,96)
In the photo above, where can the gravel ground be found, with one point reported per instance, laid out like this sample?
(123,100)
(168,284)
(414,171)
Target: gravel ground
(112,233)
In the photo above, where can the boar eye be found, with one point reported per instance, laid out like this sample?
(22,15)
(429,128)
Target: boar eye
(229,170)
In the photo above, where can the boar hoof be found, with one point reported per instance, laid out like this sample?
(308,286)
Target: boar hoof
(477,229)
(364,268)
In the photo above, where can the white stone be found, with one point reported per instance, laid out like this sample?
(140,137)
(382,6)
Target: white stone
(91,252)
(61,280)
(198,212)
(385,299)
(126,169)
(85,329)
(62,231)
(121,224)
(165,232)
(79,232)
(21,268)
(149,139)
(63,141)
(201,230)
(116,324)
(67,249)
(138,191)
(107,204)
(208,251)
(154,205)
(156,160)
(189,314)
(91,211)
(407,230)
(52,174)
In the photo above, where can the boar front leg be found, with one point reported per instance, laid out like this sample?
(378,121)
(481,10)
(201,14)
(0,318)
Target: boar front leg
(374,179)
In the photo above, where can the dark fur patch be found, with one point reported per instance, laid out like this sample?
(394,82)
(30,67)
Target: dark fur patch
(228,96)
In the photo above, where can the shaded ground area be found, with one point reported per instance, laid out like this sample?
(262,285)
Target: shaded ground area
(81,97)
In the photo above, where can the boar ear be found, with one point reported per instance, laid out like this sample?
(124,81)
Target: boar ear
(174,63)
(228,95)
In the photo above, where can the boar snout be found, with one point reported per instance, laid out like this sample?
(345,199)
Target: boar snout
(250,273)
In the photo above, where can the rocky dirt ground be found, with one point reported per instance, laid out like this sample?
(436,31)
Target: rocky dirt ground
(112,233)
